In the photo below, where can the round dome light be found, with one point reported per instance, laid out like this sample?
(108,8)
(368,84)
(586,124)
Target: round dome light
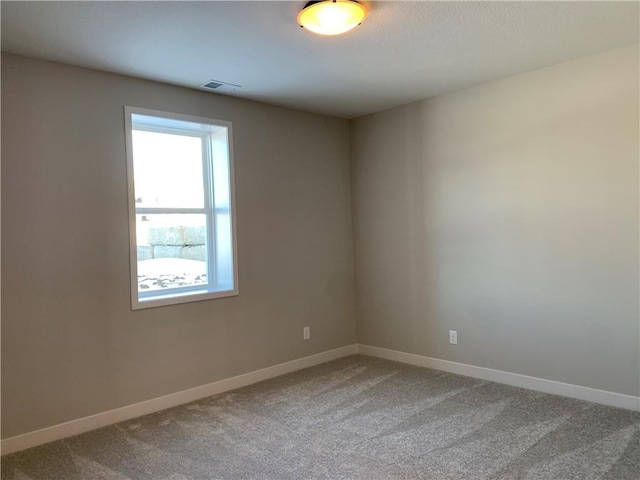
(331,17)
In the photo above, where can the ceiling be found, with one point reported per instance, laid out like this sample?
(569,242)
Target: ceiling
(403,52)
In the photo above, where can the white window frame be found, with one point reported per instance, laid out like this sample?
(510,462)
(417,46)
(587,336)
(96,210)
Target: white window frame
(177,295)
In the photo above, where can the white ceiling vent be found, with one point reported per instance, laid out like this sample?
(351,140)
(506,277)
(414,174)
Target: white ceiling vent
(218,86)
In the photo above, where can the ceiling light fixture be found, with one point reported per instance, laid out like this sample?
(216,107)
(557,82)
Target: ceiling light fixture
(331,17)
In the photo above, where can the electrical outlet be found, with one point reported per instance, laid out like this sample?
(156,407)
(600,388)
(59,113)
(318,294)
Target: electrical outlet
(453,337)
(306,333)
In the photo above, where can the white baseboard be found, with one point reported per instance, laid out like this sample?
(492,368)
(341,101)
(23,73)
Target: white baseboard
(81,425)
(603,397)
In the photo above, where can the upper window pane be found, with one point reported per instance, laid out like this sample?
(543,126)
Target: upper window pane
(167,170)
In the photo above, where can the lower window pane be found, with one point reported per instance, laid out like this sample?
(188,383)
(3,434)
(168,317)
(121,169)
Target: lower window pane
(172,251)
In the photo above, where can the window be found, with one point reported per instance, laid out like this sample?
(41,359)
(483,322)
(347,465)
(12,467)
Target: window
(181,208)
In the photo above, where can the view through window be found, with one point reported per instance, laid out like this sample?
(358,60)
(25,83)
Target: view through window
(181,208)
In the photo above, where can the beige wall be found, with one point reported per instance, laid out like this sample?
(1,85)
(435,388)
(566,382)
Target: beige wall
(507,212)
(71,346)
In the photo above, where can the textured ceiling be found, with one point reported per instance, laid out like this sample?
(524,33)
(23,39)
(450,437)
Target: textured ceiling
(404,51)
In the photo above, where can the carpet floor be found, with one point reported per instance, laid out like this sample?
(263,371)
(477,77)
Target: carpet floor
(354,418)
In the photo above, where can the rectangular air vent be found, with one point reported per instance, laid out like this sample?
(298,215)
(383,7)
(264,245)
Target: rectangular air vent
(212,84)
(218,86)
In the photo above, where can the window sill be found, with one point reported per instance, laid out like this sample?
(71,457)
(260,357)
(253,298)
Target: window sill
(175,299)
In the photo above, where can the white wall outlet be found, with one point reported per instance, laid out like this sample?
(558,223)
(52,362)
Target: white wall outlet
(453,337)
(306,333)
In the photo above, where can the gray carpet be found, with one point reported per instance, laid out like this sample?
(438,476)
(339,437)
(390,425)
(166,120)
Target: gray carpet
(357,417)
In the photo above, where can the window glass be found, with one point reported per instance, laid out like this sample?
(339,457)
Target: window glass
(167,169)
(172,251)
